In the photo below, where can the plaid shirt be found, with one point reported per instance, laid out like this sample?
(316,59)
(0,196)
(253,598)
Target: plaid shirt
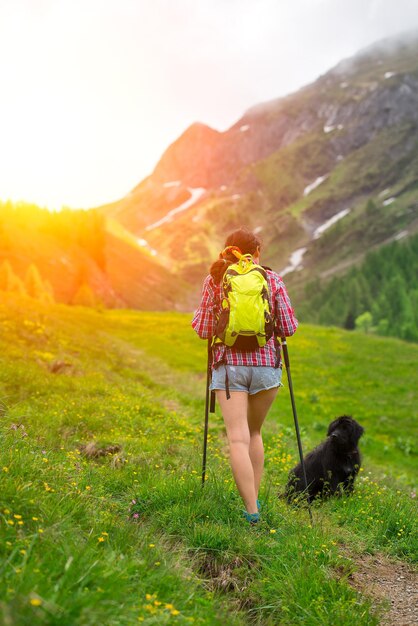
(206,316)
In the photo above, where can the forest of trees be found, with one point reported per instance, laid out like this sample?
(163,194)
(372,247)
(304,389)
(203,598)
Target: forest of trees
(32,238)
(31,285)
(380,296)
(72,229)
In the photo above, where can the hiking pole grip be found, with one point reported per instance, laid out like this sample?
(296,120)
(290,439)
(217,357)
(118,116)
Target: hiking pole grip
(212,391)
(207,398)
(212,402)
(295,419)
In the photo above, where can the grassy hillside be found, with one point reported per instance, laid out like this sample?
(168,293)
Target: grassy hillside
(131,537)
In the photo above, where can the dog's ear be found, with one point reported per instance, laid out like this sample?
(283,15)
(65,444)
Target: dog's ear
(360,430)
(333,426)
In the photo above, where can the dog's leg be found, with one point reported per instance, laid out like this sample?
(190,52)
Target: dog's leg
(348,484)
(335,485)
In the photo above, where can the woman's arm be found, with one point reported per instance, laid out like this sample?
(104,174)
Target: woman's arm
(204,319)
(285,318)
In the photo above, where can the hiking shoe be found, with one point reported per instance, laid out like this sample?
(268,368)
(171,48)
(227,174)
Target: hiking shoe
(253,518)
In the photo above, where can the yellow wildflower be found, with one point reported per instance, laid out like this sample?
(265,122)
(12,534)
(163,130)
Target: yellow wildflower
(17,516)
(100,539)
(36,602)
(175,612)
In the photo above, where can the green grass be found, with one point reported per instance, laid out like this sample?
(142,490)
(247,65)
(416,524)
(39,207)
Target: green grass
(71,551)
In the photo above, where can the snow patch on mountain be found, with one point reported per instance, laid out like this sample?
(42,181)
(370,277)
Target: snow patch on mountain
(315,184)
(143,243)
(331,127)
(332,220)
(295,261)
(384,193)
(196,193)
(388,201)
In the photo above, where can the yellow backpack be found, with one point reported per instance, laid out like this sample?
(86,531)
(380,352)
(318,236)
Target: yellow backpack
(245,322)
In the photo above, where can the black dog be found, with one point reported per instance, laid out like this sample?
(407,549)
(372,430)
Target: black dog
(332,466)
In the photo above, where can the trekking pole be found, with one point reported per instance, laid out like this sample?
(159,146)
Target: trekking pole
(295,418)
(209,407)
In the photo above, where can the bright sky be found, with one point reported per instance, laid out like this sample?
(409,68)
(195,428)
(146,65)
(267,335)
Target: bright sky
(93,91)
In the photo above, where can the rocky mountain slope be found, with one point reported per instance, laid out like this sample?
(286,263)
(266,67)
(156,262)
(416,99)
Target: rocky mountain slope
(324,174)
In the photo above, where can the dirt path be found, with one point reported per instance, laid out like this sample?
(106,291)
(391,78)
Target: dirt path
(392,582)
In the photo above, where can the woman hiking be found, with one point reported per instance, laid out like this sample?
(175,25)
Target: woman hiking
(246,381)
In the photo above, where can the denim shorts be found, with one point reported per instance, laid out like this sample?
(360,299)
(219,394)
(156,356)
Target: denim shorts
(249,378)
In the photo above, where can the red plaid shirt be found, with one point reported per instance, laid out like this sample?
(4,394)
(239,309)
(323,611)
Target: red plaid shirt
(205,318)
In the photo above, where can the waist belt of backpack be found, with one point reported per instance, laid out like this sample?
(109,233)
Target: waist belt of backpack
(223,362)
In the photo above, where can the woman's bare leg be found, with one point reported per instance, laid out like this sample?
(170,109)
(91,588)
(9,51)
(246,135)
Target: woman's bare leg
(258,407)
(234,412)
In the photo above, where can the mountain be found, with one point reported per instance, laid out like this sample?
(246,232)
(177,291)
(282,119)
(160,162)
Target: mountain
(324,174)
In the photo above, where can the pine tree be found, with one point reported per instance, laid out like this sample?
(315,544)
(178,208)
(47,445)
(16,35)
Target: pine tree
(85,296)
(6,275)
(34,283)
(48,294)
(364,322)
(9,281)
